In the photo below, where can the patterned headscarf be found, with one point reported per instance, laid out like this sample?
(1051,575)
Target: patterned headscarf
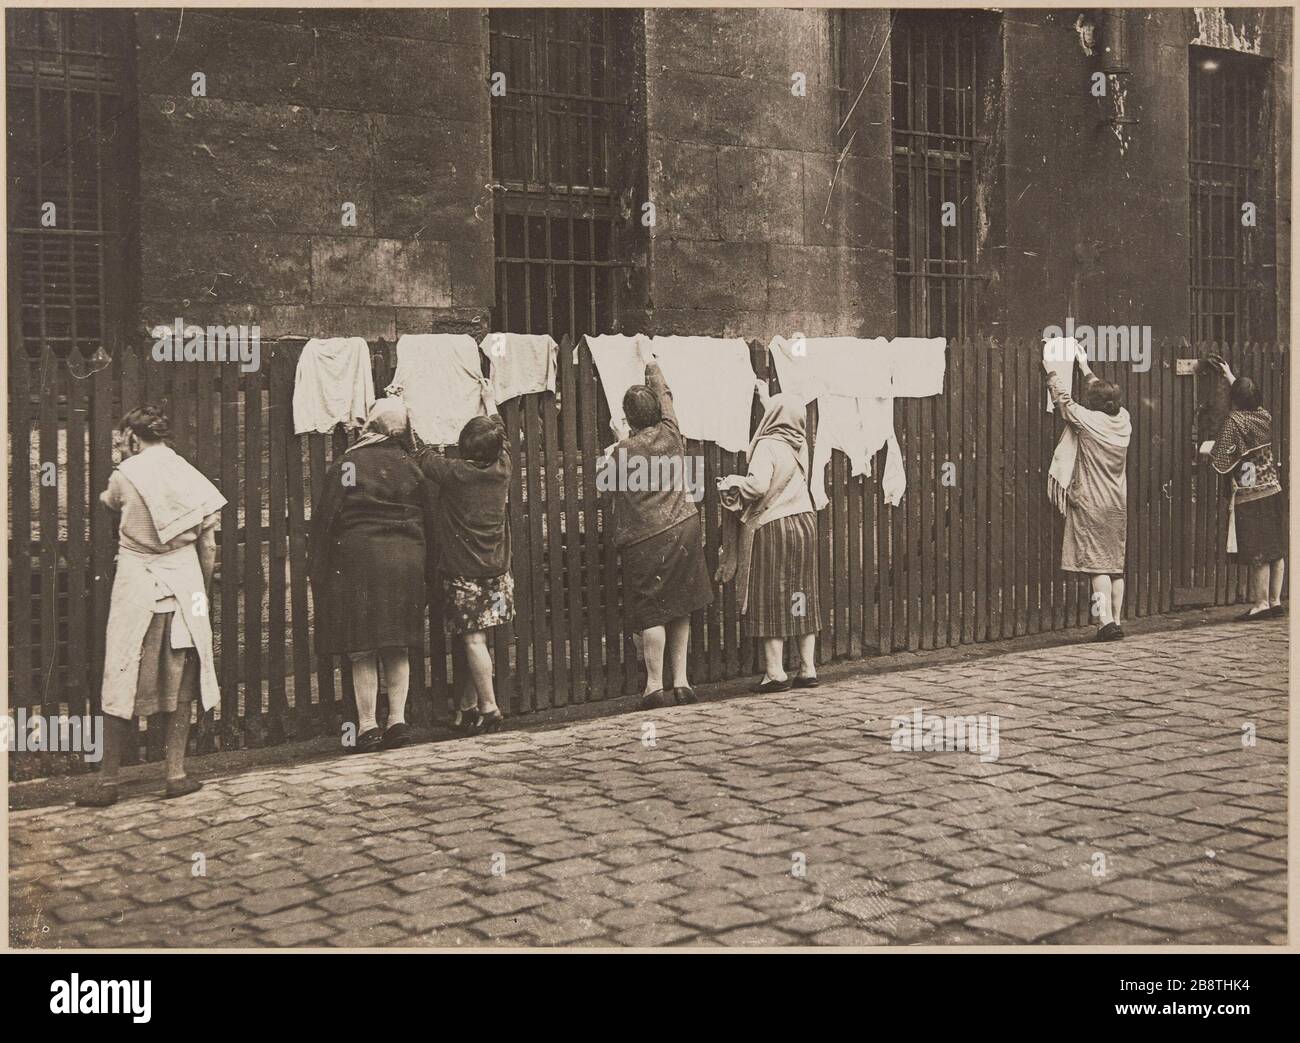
(388,418)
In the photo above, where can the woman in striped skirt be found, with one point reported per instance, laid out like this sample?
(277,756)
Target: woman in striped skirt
(776,556)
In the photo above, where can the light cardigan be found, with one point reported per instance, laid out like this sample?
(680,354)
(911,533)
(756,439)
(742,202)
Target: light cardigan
(775,487)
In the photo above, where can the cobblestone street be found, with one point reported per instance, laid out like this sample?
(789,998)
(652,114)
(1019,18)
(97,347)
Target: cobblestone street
(1123,808)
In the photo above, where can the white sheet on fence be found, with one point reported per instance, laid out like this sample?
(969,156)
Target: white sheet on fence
(438,376)
(333,385)
(851,380)
(522,363)
(917,366)
(1058,358)
(853,366)
(620,361)
(712,380)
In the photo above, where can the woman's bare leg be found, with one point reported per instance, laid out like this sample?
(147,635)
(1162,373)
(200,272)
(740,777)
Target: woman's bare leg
(1117,599)
(178,736)
(116,733)
(807,655)
(365,686)
(1276,574)
(1101,595)
(480,668)
(465,695)
(397,678)
(1257,588)
(653,640)
(679,647)
(774,658)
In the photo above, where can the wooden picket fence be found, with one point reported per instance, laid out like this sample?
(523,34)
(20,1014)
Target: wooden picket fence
(969,556)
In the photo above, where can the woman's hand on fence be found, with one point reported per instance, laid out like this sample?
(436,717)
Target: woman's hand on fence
(1222,364)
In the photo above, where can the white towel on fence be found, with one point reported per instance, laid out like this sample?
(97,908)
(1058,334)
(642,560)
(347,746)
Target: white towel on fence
(620,361)
(859,428)
(853,366)
(918,365)
(712,381)
(439,378)
(522,363)
(333,385)
(1058,358)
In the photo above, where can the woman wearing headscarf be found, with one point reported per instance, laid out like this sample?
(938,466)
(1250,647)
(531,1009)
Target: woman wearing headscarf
(1088,484)
(658,533)
(775,557)
(369,567)
(158,647)
(1257,515)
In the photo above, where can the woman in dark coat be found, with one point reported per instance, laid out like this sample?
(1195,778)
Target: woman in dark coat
(368,564)
(659,536)
(1257,517)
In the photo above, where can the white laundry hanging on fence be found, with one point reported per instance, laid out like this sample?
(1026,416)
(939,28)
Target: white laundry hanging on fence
(917,366)
(333,385)
(712,381)
(852,366)
(439,378)
(620,361)
(1058,358)
(521,363)
(851,380)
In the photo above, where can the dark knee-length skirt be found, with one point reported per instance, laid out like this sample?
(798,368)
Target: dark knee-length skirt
(666,576)
(1262,530)
(784,600)
(372,597)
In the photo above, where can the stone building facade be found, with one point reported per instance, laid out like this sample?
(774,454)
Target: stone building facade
(745,172)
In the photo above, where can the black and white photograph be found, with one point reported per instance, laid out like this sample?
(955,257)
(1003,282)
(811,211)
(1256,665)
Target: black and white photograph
(632,478)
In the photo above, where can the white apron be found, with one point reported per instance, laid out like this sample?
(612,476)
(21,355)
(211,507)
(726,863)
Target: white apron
(135,590)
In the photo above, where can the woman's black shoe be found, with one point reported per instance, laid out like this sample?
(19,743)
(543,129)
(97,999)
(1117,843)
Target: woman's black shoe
(806,682)
(369,741)
(397,735)
(1110,632)
(655,700)
(684,696)
(467,722)
(768,687)
(490,722)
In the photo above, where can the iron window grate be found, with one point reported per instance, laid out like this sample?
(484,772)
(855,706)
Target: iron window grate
(936,160)
(1227,141)
(567,76)
(65,73)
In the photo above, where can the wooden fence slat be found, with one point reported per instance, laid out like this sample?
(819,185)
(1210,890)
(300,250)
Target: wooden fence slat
(573,463)
(52,371)
(544,669)
(553,548)
(521,566)
(103,522)
(839,516)
(229,550)
(79,618)
(586,391)
(22,474)
(928,495)
(279,407)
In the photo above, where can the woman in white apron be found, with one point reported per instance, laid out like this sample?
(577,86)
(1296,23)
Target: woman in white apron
(158,649)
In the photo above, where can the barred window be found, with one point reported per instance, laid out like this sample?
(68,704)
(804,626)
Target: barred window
(68,152)
(556,136)
(1228,143)
(937,161)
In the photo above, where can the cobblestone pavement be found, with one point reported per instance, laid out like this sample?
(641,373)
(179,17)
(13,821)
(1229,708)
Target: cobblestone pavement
(1124,807)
